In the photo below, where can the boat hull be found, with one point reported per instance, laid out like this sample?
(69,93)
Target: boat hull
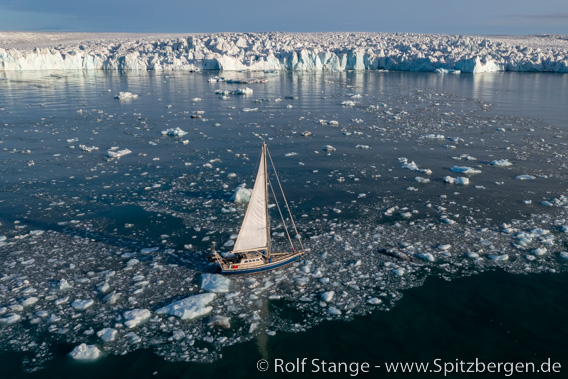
(264,267)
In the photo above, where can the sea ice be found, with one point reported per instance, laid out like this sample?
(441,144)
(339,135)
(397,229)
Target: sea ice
(189,308)
(426,256)
(242,195)
(539,251)
(115,153)
(333,311)
(107,334)
(242,91)
(433,136)
(125,96)
(327,296)
(135,317)
(374,301)
(215,283)
(219,321)
(85,352)
(525,177)
(498,257)
(465,170)
(501,163)
(10,319)
(174,132)
(82,305)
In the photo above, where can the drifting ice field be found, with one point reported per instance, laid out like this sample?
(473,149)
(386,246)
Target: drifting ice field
(115,185)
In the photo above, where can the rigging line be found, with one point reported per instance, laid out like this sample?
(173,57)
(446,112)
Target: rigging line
(285,201)
(281,216)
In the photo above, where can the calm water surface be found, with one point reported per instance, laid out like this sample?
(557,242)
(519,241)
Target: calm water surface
(68,213)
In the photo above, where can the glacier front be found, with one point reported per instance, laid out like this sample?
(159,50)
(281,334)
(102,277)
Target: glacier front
(283,51)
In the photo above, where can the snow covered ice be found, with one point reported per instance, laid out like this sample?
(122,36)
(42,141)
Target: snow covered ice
(190,307)
(85,352)
(215,283)
(284,51)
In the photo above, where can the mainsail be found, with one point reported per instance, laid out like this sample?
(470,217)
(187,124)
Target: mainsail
(254,230)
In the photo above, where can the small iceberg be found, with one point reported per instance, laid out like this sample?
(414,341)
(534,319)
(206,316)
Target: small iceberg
(525,177)
(459,180)
(126,96)
(107,334)
(327,296)
(242,195)
(136,317)
(242,91)
(426,257)
(85,352)
(190,307)
(115,153)
(82,305)
(215,282)
(174,132)
(465,170)
(501,163)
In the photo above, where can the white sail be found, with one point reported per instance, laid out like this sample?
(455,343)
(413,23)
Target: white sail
(253,233)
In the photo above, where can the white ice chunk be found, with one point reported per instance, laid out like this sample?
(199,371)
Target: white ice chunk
(174,132)
(433,136)
(426,256)
(539,251)
(215,282)
(374,301)
(465,170)
(242,195)
(85,352)
(420,179)
(525,177)
(190,307)
(10,319)
(114,153)
(63,285)
(333,311)
(327,296)
(501,163)
(498,257)
(135,317)
(220,322)
(125,96)
(81,305)
(107,334)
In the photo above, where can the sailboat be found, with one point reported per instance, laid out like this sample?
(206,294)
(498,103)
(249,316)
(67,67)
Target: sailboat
(252,251)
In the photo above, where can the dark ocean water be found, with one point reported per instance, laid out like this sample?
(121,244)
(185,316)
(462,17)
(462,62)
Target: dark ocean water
(494,317)
(66,213)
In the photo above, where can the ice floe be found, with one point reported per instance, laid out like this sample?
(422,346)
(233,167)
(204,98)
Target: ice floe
(242,194)
(189,308)
(125,96)
(84,352)
(174,132)
(465,170)
(215,283)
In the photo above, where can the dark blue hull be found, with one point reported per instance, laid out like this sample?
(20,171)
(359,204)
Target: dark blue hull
(266,267)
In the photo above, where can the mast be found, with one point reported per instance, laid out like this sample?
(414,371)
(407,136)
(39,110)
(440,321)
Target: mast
(268,242)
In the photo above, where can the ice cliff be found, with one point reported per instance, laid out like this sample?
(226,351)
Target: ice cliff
(283,51)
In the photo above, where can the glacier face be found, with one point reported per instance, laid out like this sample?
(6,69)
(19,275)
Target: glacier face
(284,51)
